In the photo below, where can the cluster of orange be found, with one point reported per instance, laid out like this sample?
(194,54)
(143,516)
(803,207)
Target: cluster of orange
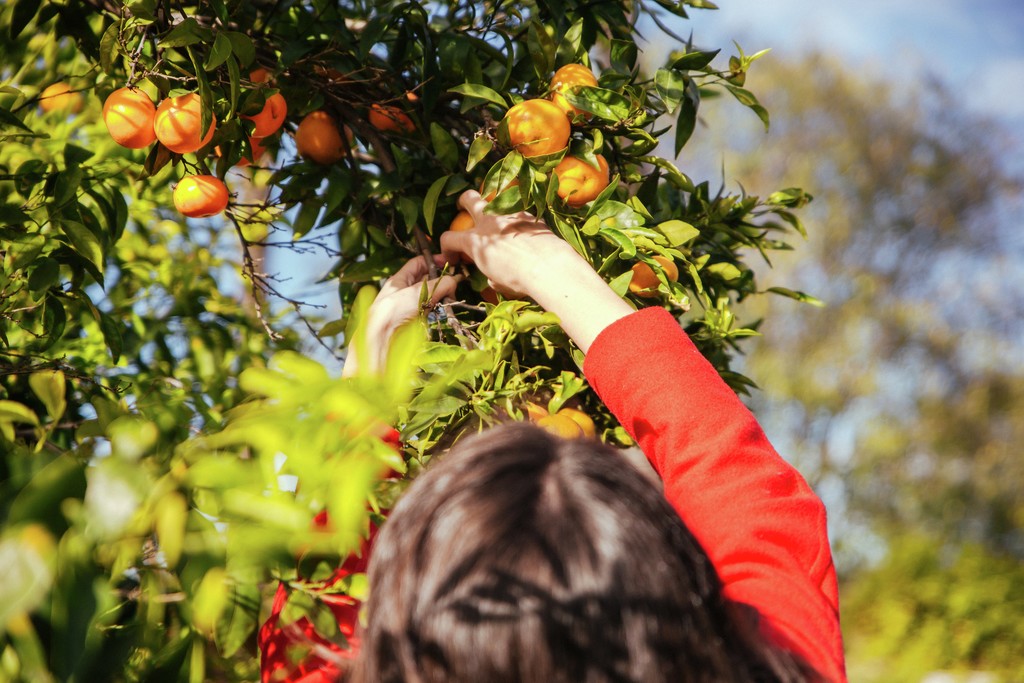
(568,423)
(319,138)
(135,122)
(539,127)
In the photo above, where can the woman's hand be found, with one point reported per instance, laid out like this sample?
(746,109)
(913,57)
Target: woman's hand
(507,249)
(521,256)
(397,303)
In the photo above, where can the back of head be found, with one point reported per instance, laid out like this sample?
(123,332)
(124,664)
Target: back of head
(524,557)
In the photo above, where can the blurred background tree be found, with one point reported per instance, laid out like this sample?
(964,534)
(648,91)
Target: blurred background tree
(903,398)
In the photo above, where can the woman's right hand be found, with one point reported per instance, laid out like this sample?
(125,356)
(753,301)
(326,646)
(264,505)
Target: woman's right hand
(521,256)
(510,250)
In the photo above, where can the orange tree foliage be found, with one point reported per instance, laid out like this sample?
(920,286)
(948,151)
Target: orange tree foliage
(165,444)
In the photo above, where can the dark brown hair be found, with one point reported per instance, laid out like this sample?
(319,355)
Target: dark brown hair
(525,557)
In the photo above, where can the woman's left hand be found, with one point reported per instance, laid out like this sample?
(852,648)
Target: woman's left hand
(397,303)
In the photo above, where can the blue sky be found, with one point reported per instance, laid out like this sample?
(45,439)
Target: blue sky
(976,47)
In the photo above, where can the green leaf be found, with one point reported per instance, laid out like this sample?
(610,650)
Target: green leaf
(678,232)
(306,218)
(54,318)
(694,60)
(188,32)
(23,250)
(235,89)
(542,50)
(620,240)
(430,202)
(219,53)
(66,187)
(606,104)
(75,155)
(50,388)
(797,295)
(112,336)
(623,53)
(143,9)
(45,274)
(445,149)
(157,158)
(569,48)
(242,47)
(726,271)
(86,244)
(22,14)
(747,99)
(109,47)
(480,148)
(12,411)
(476,91)
(671,86)
(9,119)
(686,121)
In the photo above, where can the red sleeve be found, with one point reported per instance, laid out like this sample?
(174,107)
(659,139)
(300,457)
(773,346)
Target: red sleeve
(313,658)
(759,521)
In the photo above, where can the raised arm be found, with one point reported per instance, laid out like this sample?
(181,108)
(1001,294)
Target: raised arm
(758,520)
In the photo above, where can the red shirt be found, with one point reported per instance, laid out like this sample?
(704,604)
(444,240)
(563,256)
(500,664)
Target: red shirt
(761,524)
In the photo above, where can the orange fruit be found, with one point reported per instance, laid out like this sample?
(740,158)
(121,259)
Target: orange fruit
(389,119)
(645,282)
(199,196)
(579,182)
(129,117)
(584,421)
(462,221)
(271,117)
(489,295)
(567,78)
(59,97)
(537,127)
(259,75)
(318,138)
(178,124)
(561,425)
(534,411)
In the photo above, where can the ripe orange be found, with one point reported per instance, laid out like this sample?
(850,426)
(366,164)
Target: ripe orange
(199,196)
(178,124)
(584,421)
(318,138)
(579,182)
(534,411)
(462,221)
(389,119)
(567,78)
(59,97)
(561,425)
(537,127)
(645,282)
(271,117)
(259,75)
(489,295)
(129,117)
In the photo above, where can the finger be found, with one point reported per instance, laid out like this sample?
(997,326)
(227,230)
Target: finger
(442,287)
(456,245)
(471,201)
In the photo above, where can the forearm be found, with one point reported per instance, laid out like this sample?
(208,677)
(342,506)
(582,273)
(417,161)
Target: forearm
(567,286)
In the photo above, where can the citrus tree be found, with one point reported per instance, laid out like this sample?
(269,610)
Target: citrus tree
(168,436)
